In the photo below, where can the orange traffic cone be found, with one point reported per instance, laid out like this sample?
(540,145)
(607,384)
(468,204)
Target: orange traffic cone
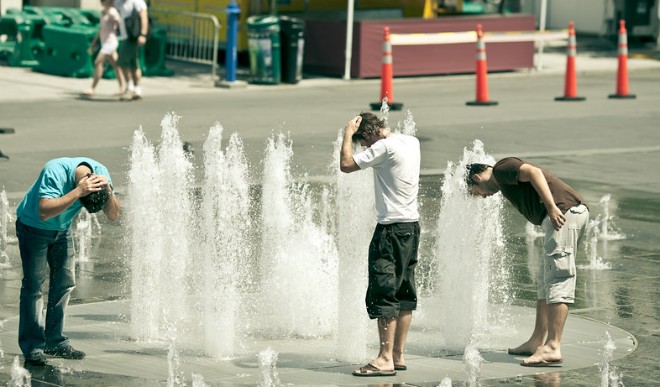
(622,72)
(570,84)
(386,77)
(482,73)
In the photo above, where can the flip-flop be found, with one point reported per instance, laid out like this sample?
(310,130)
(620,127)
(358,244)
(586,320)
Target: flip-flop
(519,353)
(400,367)
(542,363)
(371,370)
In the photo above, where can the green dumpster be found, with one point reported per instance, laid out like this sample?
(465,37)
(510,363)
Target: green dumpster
(65,51)
(292,38)
(21,42)
(264,49)
(154,53)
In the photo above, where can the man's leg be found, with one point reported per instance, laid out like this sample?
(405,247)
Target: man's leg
(383,364)
(387,328)
(33,248)
(551,350)
(538,335)
(62,266)
(128,77)
(136,73)
(400,336)
(558,279)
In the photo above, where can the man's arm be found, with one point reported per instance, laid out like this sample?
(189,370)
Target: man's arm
(113,207)
(534,175)
(51,207)
(346,162)
(144,27)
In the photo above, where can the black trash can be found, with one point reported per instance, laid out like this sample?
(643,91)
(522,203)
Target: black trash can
(264,49)
(292,39)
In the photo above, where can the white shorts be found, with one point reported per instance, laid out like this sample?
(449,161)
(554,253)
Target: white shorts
(556,280)
(108,48)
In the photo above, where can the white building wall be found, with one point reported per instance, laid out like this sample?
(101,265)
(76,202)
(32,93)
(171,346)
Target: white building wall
(589,16)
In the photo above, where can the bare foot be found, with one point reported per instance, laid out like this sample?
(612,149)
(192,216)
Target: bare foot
(543,356)
(88,93)
(382,363)
(525,349)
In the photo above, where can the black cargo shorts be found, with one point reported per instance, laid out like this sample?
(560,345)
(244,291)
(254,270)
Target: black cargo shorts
(392,261)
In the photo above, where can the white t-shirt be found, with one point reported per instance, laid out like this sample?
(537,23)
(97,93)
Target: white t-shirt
(396,162)
(125,8)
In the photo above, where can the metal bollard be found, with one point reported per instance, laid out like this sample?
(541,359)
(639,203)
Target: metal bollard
(231,56)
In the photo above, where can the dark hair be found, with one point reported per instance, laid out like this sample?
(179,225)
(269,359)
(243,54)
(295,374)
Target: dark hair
(473,169)
(95,201)
(370,124)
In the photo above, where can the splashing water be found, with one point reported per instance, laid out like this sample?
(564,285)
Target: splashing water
(409,126)
(608,375)
(299,258)
(609,232)
(288,265)
(174,374)
(385,109)
(160,217)
(533,231)
(2,352)
(198,381)
(5,218)
(472,364)
(83,233)
(470,236)
(20,377)
(268,368)
(591,248)
(290,289)
(356,213)
(225,215)
(445,382)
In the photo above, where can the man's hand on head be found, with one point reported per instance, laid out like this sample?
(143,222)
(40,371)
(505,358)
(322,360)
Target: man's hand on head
(352,126)
(91,183)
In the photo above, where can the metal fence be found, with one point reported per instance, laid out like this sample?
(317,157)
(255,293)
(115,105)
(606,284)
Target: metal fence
(191,37)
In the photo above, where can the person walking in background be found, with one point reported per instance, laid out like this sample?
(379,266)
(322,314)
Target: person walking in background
(391,295)
(133,34)
(107,36)
(545,200)
(43,228)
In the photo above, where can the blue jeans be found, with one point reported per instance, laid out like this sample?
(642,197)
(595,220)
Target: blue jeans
(41,250)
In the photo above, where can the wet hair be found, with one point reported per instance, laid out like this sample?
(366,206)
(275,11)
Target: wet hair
(370,125)
(96,201)
(473,169)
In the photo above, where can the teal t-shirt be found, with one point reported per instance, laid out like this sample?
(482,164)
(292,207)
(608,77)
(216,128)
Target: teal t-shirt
(57,178)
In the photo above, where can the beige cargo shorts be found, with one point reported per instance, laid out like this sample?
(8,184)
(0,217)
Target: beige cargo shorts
(556,280)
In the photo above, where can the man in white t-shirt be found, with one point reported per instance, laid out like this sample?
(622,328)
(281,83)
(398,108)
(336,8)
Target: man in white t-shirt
(391,295)
(132,36)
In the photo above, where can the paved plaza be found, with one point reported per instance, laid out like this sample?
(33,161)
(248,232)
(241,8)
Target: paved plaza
(600,145)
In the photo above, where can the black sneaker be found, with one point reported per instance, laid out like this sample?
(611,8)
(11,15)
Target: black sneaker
(36,359)
(66,352)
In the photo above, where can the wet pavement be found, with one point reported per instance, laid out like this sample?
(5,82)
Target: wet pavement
(600,146)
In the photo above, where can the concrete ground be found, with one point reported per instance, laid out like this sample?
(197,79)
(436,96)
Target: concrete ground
(600,145)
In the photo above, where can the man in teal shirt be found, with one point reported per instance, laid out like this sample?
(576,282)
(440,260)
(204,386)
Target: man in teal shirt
(43,228)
